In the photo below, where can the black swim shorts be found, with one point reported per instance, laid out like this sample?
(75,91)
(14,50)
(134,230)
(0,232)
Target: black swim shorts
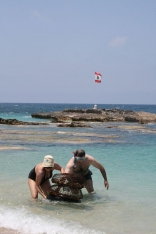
(88,175)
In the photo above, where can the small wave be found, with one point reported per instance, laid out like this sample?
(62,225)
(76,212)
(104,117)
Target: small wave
(26,116)
(151,124)
(25,222)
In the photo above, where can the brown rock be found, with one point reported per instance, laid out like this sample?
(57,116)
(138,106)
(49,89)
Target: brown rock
(98,115)
(132,118)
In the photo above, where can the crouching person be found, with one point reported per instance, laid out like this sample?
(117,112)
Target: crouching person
(38,178)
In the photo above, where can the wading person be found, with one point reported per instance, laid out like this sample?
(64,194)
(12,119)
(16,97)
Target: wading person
(38,178)
(80,163)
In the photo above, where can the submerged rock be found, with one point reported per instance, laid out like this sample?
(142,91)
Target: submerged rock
(17,122)
(73,125)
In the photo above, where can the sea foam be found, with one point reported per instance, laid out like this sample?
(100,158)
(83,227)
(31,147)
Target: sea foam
(25,222)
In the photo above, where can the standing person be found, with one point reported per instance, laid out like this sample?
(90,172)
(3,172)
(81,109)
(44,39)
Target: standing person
(38,178)
(80,163)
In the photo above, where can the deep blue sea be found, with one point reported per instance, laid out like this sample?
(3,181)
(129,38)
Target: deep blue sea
(126,150)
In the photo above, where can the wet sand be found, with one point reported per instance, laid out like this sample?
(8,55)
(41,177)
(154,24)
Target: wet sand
(8,231)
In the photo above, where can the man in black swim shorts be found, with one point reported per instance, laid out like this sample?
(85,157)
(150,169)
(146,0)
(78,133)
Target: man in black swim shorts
(80,163)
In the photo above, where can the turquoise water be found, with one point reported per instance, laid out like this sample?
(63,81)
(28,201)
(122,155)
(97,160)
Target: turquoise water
(127,151)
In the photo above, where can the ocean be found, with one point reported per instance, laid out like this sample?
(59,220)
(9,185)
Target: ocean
(126,150)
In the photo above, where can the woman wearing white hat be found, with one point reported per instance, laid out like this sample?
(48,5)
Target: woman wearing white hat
(38,178)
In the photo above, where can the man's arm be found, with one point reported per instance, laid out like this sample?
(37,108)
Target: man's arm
(98,165)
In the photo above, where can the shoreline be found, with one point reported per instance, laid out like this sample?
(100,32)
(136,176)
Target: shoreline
(8,231)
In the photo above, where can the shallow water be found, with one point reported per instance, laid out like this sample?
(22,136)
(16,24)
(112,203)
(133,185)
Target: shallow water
(127,151)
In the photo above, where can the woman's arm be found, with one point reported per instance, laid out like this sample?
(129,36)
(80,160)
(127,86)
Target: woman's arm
(39,176)
(58,167)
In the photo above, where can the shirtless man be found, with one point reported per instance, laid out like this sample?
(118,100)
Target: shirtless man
(80,163)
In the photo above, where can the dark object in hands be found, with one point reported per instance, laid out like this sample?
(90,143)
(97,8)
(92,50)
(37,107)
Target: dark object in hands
(72,180)
(65,192)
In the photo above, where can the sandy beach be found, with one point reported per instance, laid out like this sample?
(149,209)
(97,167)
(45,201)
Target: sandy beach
(8,231)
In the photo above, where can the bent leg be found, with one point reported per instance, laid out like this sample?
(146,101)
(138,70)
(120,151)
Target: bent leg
(45,186)
(32,187)
(89,186)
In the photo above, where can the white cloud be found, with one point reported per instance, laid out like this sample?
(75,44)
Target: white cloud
(118,41)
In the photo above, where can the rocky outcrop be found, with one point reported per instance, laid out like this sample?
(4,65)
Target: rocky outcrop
(17,122)
(132,118)
(73,125)
(97,115)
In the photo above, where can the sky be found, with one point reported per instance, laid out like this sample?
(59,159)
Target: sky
(50,50)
